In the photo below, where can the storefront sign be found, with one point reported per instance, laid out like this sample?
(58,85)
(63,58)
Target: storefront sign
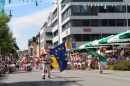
(87,30)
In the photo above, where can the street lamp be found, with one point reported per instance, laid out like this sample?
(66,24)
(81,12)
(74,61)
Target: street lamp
(10,15)
(101,26)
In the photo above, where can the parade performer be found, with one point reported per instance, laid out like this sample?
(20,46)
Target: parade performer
(100,66)
(101,51)
(8,61)
(25,60)
(40,62)
(90,62)
(75,61)
(68,63)
(17,64)
(46,61)
(36,62)
(72,61)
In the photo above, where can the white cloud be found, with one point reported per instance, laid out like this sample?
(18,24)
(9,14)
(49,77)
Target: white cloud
(26,27)
(16,5)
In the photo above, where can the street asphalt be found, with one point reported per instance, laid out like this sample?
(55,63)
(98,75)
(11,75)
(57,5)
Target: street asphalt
(67,78)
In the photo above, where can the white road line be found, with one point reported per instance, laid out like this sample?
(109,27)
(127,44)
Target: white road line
(101,75)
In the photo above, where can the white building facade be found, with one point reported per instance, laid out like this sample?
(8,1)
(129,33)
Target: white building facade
(46,37)
(87,20)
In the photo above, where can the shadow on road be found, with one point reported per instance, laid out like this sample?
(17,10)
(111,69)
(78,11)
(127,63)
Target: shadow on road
(43,83)
(4,76)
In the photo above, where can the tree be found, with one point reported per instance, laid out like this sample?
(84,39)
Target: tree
(7,42)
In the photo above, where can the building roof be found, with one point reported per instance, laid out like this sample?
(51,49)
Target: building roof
(45,24)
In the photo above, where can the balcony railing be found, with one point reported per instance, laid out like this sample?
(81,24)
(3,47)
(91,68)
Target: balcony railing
(49,44)
(49,36)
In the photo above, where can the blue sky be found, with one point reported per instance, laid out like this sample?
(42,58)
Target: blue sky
(27,19)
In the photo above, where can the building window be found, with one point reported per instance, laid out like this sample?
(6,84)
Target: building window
(94,23)
(55,23)
(76,10)
(49,19)
(120,22)
(78,37)
(66,14)
(128,9)
(55,33)
(49,35)
(102,10)
(93,0)
(66,26)
(102,0)
(94,10)
(104,22)
(120,9)
(111,9)
(111,22)
(95,37)
(55,14)
(86,37)
(49,43)
(56,44)
(77,23)
(85,10)
(85,22)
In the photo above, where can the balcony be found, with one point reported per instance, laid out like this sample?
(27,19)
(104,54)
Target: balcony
(49,36)
(49,44)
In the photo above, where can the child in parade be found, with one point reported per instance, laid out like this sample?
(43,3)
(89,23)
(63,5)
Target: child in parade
(17,64)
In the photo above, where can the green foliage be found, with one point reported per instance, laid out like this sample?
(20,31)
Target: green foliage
(119,65)
(7,42)
(122,65)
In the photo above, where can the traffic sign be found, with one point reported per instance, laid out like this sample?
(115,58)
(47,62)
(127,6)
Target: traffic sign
(73,43)
(68,45)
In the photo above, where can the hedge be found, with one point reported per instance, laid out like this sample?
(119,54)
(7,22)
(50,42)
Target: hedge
(119,65)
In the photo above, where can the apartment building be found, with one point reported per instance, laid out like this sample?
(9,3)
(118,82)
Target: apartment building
(87,20)
(46,36)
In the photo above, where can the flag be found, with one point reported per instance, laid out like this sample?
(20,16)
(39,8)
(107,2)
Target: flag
(2,3)
(102,59)
(60,53)
(54,63)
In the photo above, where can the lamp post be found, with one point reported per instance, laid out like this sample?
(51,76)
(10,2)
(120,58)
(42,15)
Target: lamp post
(127,17)
(101,26)
(10,14)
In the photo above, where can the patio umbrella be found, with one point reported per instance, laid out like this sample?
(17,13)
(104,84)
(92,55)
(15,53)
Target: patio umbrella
(82,47)
(89,44)
(117,38)
(125,35)
(104,40)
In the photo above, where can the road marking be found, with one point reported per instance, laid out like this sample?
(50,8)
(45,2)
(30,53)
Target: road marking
(101,75)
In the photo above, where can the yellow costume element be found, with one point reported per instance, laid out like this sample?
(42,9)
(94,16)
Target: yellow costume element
(54,63)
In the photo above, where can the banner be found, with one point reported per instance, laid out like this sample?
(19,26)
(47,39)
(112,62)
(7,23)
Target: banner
(2,3)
